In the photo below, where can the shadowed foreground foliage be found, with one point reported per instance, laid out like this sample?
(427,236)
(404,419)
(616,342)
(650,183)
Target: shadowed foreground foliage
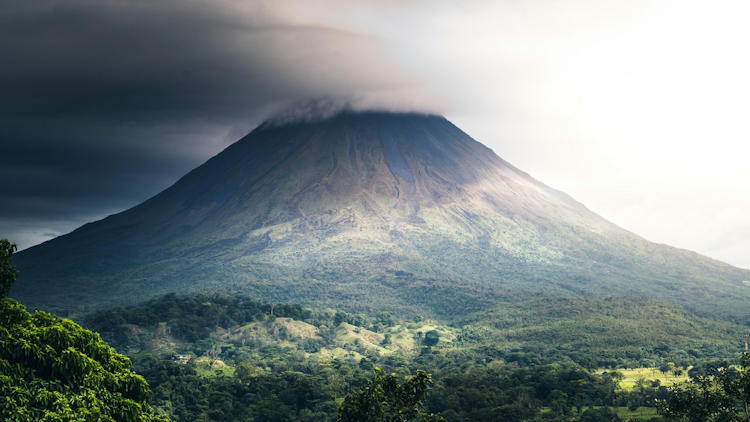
(51,369)
(8,273)
(385,398)
(722,396)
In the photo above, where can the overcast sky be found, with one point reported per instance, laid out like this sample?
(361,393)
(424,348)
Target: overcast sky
(638,109)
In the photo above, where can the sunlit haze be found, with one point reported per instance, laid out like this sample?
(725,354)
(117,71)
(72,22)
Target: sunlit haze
(637,109)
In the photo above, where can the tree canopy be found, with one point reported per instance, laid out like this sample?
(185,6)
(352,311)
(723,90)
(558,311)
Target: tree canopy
(385,398)
(723,396)
(51,369)
(8,273)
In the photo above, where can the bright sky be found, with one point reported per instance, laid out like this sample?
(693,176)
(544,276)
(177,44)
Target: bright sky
(638,109)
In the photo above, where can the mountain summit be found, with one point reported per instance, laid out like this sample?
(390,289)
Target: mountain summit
(400,211)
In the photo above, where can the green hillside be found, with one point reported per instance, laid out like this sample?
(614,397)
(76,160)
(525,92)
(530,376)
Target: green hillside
(593,332)
(613,329)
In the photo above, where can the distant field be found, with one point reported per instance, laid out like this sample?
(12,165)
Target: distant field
(640,414)
(632,376)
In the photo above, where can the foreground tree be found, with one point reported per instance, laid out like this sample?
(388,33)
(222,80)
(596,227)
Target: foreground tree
(386,399)
(51,369)
(8,273)
(723,397)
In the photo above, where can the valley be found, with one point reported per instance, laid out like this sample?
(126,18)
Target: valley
(233,346)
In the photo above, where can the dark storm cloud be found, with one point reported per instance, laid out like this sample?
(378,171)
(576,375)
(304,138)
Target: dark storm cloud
(134,59)
(104,103)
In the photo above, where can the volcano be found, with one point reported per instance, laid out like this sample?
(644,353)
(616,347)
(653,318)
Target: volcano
(366,210)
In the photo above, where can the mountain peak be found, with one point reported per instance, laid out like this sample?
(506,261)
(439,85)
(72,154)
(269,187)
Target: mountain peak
(325,108)
(332,202)
(309,111)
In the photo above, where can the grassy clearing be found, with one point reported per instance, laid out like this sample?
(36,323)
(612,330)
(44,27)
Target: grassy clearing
(639,414)
(632,376)
(207,367)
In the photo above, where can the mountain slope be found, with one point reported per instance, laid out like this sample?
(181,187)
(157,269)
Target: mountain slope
(366,210)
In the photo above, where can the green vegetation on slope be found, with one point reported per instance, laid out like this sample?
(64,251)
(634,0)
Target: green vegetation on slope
(615,332)
(593,332)
(285,362)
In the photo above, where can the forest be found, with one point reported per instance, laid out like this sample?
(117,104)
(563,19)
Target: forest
(214,357)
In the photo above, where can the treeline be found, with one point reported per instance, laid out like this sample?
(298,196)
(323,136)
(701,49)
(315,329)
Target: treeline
(595,333)
(479,374)
(607,332)
(193,317)
(288,394)
(302,392)
(189,317)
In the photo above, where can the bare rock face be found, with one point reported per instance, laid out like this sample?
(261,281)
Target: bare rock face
(365,210)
